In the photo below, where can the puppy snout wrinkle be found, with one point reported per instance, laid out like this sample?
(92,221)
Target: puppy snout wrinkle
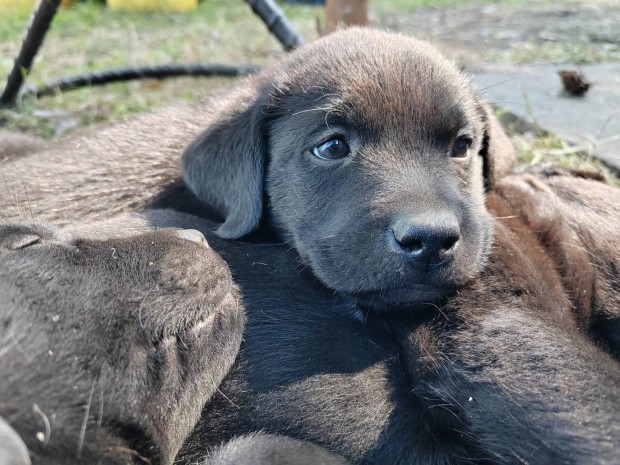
(427,241)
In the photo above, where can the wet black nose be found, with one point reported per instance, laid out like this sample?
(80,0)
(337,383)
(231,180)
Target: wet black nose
(427,241)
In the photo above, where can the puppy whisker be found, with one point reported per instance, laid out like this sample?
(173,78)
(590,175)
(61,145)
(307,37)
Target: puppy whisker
(311,110)
(80,445)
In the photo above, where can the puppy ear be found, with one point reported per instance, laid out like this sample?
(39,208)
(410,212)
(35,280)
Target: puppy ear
(224,165)
(497,151)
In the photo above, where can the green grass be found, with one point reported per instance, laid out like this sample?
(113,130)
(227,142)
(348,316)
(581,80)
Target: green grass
(90,37)
(12,24)
(547,148)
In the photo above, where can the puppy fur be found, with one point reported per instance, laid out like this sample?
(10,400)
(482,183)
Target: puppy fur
(108,350)
(397,104)
(505,372)
(577,219)
(273,450)
(15,144)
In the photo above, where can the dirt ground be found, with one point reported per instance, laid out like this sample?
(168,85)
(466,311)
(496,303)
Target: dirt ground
(518,31)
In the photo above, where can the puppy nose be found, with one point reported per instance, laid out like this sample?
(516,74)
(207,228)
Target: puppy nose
(427,241)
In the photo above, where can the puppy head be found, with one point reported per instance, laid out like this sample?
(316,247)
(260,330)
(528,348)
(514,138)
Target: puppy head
(109,345)
(371,151)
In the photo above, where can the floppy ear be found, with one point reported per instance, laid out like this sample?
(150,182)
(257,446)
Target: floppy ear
(224,165)
(497,151)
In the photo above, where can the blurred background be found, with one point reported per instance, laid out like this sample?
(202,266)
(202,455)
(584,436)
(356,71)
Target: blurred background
(478,35)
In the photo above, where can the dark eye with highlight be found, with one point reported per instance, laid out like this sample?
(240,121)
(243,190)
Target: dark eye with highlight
(333,149)
(460,148)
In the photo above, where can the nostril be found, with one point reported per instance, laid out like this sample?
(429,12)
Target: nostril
(450,242)
(409,243)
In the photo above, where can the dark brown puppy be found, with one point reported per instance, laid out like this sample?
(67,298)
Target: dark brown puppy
(366,151)
(109,349)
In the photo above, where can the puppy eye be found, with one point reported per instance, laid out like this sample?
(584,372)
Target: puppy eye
(460,148)
(333,149)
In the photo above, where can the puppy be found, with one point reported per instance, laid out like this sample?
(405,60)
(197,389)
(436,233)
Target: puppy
(366,151)
(109,349)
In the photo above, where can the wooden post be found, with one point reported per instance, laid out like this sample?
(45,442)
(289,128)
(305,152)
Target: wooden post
(345,12)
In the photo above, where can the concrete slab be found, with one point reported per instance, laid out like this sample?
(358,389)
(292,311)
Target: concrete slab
(534,93)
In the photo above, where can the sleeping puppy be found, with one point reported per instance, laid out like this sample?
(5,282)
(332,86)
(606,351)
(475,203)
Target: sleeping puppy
(109,349)
(366,151)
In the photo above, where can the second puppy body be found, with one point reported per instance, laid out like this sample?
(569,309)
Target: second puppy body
(503,374)
(109,348)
